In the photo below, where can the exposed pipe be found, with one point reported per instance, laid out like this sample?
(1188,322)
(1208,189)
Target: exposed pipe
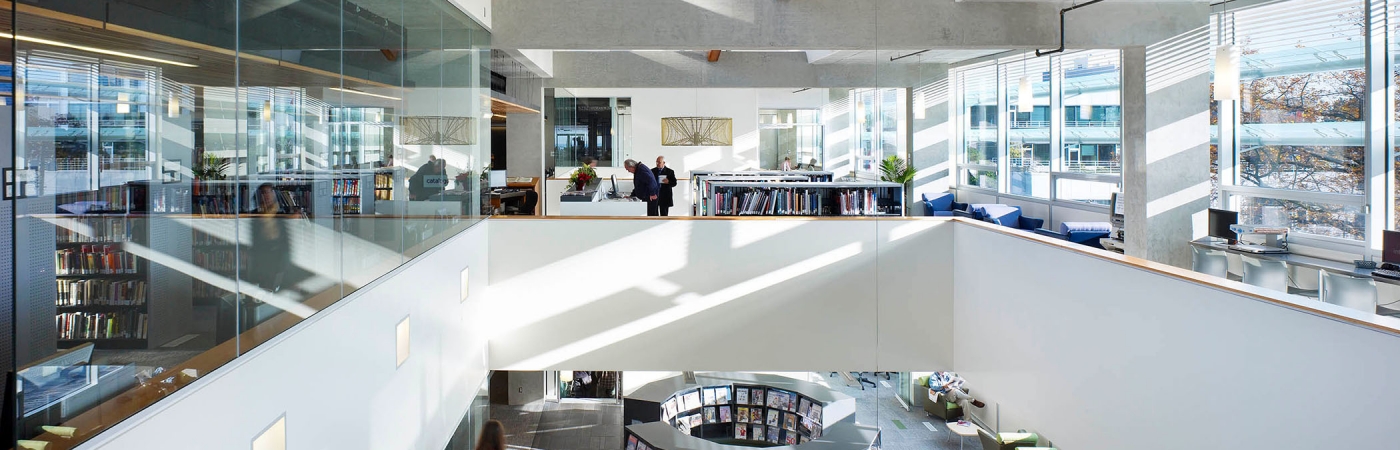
(1039,53)
(896,58)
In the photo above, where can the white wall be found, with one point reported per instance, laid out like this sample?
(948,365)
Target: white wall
(649,105)
(607,294)
(334,375)
(1099,355)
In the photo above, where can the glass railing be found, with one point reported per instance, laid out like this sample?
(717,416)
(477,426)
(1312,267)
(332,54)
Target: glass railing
(175,213)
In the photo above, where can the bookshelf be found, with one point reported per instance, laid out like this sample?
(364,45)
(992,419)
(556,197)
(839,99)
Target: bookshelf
(728,198)
(102,290)
(699,189)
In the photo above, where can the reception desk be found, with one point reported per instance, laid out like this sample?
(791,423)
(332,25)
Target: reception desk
(596,202)
(555,186)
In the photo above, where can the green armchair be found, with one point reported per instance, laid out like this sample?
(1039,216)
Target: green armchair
(1007,441)
(935,406)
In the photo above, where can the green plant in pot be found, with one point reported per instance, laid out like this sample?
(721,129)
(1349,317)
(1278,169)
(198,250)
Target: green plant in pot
(896,170)
(211,167)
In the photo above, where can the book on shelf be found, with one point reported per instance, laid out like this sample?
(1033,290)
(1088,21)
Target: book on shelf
(94,260)
(345,187)
(95,229)
(101,293)
(101,325)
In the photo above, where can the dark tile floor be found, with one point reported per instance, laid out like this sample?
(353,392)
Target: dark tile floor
(570,424)
(597,425)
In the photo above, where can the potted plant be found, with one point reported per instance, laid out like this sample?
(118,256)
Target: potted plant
(210,167)
(896,170)
(582,176)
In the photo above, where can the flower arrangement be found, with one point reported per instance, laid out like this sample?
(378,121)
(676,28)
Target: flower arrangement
(582,176)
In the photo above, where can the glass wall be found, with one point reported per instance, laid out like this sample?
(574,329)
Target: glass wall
(794,135)
(180,205)
(591,128)
(1299,148)
(1072,101)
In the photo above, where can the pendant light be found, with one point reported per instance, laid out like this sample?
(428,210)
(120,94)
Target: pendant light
(920,105)
(267,111)
(1227,64)
(1024,95)
(172,106)
(122,106)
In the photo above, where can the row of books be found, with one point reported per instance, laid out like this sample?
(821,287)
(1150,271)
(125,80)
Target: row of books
(204,238)
(858,202)
(345,187)
(747,398)
(93,260)
(346,205)
(778,201)
(215,189)
(221,260)
(103,325)
(94,229)
(206,290)
(769,201)
(101,292)
(215,204)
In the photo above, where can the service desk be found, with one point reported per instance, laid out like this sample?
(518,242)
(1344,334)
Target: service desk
(595,202)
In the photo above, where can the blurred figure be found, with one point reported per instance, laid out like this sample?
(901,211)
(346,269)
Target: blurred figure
(493,436)
(417,184)
(787,164)
(270,253)
(665,179)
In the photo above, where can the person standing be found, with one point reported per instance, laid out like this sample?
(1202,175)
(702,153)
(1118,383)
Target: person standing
(643,184)
(787,164)
(665,180)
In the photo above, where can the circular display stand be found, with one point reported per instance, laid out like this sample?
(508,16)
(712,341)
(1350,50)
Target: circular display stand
(736,411)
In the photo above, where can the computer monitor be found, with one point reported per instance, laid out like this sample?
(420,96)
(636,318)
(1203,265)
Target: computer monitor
(615,192)
(1390,247)
(1220,221)
(1115,205)
(498,178)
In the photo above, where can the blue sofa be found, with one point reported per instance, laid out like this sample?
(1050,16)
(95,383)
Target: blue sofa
(1084,233)
(1005,215)
(942,205)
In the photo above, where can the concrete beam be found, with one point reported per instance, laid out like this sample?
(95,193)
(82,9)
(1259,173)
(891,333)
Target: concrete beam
(653,69)
(831,24)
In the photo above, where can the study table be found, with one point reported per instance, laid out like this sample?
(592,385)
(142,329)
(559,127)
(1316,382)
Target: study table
(1310,262)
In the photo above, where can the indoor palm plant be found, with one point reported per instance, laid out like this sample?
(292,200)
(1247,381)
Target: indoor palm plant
(896,170)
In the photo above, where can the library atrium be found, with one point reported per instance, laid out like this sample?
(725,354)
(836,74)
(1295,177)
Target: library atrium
(699,224)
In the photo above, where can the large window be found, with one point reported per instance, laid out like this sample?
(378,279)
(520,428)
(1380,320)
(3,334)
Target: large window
(792,134)
(596,128)
(1298,144)
(1073,105)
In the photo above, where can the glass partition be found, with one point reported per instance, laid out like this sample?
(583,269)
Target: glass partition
(182,203)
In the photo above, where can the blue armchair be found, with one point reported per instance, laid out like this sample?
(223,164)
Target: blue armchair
(1007,216)
(942,205)
(1084,233)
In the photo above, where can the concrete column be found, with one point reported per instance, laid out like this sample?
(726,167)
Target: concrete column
(839,138)
(930,140)
(1166,146)
(525,133)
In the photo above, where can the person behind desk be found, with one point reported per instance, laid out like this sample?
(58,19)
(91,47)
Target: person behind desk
(428,180)
(665,180)
(643,184)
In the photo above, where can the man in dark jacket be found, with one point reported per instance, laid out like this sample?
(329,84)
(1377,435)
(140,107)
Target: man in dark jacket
(643,184)
(665,180)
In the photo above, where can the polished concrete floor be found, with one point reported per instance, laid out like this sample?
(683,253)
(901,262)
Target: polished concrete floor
(597,425)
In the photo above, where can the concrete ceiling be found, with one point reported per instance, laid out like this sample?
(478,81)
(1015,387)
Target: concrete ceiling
(883,56)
